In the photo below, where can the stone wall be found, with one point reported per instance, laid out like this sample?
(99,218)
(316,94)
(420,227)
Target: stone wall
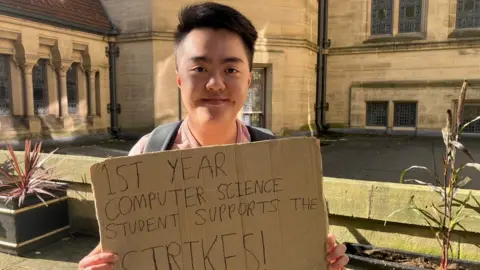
(440,53)
(24,43)
(147,88)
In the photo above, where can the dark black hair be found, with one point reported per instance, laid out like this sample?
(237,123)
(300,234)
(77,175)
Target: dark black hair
(217,16)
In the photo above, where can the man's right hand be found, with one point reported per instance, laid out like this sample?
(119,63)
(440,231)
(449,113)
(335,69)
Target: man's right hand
(98,260)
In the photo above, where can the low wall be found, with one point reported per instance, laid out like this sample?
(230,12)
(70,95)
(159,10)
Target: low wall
(357,211)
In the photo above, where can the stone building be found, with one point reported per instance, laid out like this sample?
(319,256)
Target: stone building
(54,73)
(55,78)
(398,65)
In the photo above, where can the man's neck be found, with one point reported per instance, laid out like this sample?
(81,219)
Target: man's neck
(213,135)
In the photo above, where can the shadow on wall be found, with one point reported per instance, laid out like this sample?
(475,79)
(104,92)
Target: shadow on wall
(369,232)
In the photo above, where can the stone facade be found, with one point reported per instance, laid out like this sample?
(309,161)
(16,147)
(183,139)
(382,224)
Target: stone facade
(285,54)
(55,81)
(424,64)
(146,87)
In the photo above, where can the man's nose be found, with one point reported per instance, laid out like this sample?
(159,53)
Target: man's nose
(216,83)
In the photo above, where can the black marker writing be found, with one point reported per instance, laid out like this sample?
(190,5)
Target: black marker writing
(305,203)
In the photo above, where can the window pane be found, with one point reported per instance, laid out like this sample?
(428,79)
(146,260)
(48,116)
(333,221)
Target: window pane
(410,17)
(377,113)
(471,112)
(254,105)
(4,85)
(468,14)
(72,92)
(405,114)
(382,17)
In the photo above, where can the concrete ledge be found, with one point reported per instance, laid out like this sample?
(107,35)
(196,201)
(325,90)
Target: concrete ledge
(74,169)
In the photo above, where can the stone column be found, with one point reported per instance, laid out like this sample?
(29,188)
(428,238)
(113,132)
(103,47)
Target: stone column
(29,106)
(62,74)
(65,119)
(92,102)
(32,121)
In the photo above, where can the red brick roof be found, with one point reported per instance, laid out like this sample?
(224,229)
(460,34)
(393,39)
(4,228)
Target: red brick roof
(84,15)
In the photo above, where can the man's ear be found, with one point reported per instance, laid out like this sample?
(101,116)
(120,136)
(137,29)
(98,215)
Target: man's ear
(179,80)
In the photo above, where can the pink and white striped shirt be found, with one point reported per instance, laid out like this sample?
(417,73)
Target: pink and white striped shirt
(186,140)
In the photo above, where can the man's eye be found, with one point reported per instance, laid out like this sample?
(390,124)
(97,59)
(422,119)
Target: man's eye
(232,70)
(199,69)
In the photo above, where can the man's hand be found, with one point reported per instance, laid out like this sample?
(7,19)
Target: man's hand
(336,254)
(98,260)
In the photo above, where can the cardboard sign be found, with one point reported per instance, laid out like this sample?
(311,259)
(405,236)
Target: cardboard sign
(255,206)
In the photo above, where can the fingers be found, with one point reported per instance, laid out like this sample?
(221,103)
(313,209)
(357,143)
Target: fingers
(339,264)
(336,253)
(330,242)
(98,260)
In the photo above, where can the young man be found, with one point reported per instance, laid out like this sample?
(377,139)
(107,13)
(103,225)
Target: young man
(214,53)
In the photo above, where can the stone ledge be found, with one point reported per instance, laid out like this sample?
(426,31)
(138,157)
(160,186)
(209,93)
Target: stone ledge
(405,46)
(345,197)
(377,200)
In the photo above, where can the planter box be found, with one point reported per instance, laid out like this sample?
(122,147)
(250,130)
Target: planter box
(26,228)
(361,260)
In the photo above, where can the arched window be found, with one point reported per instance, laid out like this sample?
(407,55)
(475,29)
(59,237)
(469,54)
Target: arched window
(40,87)
(5,86)
(72,89)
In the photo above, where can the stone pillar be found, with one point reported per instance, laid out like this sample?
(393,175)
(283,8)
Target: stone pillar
(32,121)
(65,118)
(82,92)
(27,73)
(52,82)
(92,102)
(94,118)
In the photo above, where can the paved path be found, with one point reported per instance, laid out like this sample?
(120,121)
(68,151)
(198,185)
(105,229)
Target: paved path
(62,255)
(384,159)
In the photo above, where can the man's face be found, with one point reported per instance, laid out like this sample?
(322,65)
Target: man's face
(213,75)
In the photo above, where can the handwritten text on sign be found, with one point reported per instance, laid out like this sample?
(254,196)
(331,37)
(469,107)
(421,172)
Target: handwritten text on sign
(232,207)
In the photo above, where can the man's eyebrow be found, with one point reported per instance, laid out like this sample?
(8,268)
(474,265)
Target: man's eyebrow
(200,59)
(232,59)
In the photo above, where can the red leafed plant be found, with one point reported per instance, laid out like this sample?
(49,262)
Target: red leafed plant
(19,179)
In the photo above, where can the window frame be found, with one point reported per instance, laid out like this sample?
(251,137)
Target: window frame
(415,120)
(387,106)
(8,75)
(263,103)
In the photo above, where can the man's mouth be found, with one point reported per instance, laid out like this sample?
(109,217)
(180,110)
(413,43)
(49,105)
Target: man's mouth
(215,101)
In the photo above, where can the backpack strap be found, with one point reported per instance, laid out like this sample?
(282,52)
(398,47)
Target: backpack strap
(162,137)
(260,134)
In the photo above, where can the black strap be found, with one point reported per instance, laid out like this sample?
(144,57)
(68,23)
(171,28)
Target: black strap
(260,134)
(163,136)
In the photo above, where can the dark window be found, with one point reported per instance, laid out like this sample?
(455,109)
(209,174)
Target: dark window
(254,107)
(5,86)
(410,17)
(377,113)
(40,89)
(72,90)
(405,114)
(471,112)
(382,19)
(468,14)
